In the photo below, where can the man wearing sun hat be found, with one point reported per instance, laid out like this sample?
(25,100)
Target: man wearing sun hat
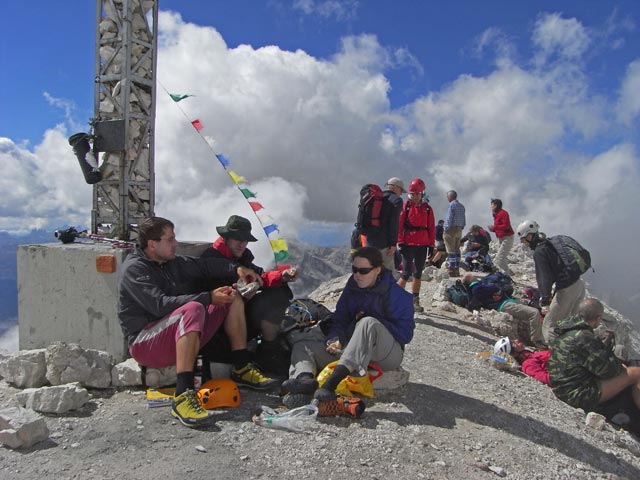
(265,309)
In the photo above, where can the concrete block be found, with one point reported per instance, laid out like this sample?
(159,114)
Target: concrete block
(21,428)
(67,363)
(126,374)
(58,399)
(25,369)
(62,297)
(391,379)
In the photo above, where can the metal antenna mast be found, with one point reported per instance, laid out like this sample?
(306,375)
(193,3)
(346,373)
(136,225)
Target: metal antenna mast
(124,115)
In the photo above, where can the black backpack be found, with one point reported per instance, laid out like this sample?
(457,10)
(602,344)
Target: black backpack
(575,258)
(459,294)
(370,207)
(302,313)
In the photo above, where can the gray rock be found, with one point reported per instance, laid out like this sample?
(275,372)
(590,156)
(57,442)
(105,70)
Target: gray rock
(21,428)
(26,368)
(392,379)
(68,363)
(159,377)
(127,373)
(57,399)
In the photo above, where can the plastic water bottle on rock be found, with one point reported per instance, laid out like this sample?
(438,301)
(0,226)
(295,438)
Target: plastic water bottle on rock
(295,420)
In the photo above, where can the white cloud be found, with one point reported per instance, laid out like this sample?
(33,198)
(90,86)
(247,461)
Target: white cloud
(628,106)
(565,38)
(341,10)
(307,133)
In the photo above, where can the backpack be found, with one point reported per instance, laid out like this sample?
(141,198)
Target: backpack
(407,223)
(575,258)
(501,280)
(369,219)
(459,294)
(304,312)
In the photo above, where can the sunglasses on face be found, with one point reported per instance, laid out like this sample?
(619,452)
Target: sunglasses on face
(361,271)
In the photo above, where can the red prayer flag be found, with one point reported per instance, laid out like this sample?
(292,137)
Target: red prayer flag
(196,124)
(256,206)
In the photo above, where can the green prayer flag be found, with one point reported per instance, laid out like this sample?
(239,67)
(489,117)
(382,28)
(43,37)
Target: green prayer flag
(281,255)
(176,97)
(247,193)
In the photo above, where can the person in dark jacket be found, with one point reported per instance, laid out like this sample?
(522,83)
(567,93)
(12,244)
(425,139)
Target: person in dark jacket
(526,318)
(165,323)
(264,310)
(583,371)
(385,240)
(570,288)
(477,248)
(373,321)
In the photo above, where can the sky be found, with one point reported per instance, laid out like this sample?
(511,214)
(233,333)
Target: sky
(536,103)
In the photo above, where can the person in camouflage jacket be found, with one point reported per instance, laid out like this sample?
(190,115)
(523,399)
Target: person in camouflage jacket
(583,371)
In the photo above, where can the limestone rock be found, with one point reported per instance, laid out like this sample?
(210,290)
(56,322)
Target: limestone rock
(392,379)
(57,399)
(21,428)
(160,377)
(68,363)
(24,369)
(127,373)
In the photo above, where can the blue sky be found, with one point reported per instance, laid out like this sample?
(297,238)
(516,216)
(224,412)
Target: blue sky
(48,46)
(533,102)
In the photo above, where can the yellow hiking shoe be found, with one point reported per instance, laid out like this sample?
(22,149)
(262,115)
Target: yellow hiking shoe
(251,376)
(186,407)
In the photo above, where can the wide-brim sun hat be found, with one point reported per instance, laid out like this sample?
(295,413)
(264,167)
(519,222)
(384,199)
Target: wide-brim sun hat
(238,228)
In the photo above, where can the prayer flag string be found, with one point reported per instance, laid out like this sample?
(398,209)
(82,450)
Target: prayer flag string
(271,230)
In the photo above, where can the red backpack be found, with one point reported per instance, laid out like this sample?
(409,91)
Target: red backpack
(369,219)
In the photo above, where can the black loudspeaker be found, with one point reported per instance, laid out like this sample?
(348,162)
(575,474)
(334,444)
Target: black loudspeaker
(86,157)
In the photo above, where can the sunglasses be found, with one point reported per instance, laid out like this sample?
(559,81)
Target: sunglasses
(361,271)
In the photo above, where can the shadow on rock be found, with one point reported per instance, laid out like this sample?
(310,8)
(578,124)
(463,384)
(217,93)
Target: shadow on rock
(440,408)
(457,330)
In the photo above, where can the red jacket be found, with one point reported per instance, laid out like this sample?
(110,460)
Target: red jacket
(272,278)
(417,225)
(501,224)
(535,365)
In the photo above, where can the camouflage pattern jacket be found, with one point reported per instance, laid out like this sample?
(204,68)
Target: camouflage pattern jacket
(578,360)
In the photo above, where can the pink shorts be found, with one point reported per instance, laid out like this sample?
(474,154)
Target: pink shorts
(155,345)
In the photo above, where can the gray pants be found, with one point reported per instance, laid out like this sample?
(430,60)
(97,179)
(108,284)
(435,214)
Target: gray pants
(565,303)
(504,247)
(527,317)
(370,342)
(451,239)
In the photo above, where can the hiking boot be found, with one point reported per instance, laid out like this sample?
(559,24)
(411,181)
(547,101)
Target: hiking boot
(295,400)
(250,376)
(324,395)
(416,305)
(306,385)
(186,407)
(342,406)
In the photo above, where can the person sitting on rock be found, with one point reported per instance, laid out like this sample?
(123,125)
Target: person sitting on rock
(477,248)
(373,322)
(584,372)
(440,252)
(166,323)
(264,309)
(527,319)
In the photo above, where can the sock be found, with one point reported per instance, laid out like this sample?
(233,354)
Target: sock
(239,358)
(335,378)
(184,382)
(416,295)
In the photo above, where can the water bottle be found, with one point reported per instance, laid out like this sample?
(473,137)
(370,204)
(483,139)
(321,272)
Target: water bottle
(296,420)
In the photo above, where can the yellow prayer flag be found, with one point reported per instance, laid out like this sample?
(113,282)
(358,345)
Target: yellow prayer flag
(278,244)
(236,178)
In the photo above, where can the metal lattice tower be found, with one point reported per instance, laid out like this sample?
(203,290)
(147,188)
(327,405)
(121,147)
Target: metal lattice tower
(124,115)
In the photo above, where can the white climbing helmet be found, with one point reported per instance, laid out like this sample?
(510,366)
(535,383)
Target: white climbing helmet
(502,347)
(527,227)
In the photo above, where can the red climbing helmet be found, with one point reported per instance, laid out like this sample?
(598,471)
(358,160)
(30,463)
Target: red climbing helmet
(417,186)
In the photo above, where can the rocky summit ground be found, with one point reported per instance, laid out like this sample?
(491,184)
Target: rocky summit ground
(457,418)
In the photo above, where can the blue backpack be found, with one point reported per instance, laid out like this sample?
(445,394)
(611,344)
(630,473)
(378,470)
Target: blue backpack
(501,280)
